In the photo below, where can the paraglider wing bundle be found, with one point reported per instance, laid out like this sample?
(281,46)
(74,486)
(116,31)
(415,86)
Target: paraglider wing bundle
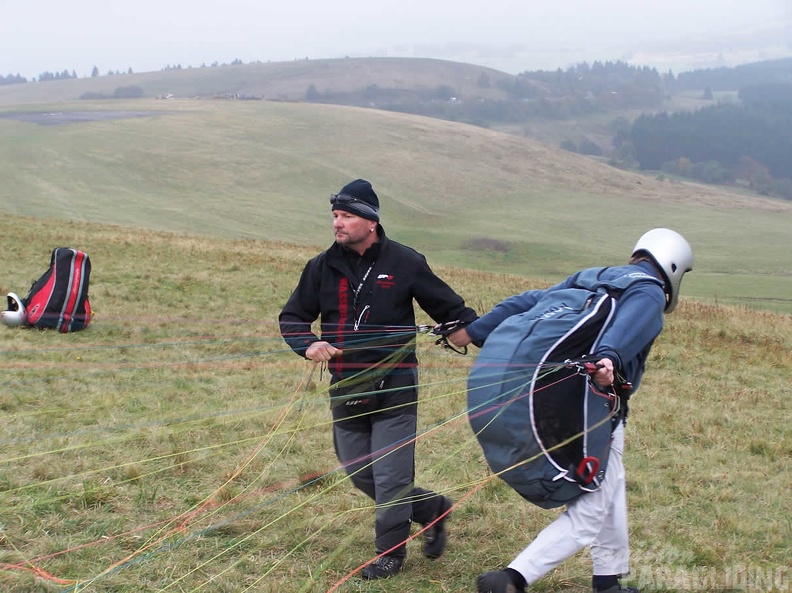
(543,426)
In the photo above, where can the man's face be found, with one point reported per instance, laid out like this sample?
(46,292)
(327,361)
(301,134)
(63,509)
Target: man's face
(350,230)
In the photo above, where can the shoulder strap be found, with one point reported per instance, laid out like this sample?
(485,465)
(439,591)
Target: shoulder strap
(591,279)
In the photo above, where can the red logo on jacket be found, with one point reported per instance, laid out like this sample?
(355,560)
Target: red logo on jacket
(385,280)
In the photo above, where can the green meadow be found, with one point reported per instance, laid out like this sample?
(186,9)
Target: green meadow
(466,196)
(176,444)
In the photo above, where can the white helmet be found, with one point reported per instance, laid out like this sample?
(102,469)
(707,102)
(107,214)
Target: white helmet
(16,314)
(672,254)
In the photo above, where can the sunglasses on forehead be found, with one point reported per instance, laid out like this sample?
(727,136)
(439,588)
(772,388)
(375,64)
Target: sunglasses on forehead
(356,204)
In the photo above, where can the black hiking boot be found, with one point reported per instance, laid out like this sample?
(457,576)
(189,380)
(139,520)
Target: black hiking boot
(383,567)
(435,537)
(497,581)
(617,588)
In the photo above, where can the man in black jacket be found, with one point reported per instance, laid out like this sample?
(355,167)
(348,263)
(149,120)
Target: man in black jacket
(362,288)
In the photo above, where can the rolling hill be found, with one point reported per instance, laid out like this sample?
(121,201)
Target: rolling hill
(466,196)
(284,81)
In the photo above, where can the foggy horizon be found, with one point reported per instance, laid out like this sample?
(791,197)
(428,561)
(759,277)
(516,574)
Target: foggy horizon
(507,36)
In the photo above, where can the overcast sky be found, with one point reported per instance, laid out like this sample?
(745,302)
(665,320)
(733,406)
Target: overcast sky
(511,35)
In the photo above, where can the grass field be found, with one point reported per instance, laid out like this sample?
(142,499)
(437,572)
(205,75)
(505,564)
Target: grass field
(466,196)
(176,445)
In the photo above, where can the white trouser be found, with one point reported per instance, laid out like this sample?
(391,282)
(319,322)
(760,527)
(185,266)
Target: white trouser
(597,519)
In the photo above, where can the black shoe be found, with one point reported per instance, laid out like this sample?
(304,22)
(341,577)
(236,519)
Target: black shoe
(617,588)
(435,537)
(497,581)
(383,567)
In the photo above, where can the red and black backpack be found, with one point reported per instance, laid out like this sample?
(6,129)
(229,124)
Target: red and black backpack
(59,299)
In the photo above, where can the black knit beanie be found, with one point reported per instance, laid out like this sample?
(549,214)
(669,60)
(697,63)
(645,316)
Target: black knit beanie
(358,198)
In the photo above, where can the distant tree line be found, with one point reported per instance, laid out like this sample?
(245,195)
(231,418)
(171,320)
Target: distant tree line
(770,97)
(602,86)
(729,79)
(47,76)
(726,143)
(579,90)
(65,75)
(12,79)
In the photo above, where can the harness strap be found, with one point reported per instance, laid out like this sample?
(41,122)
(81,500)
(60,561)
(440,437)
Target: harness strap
(443,330)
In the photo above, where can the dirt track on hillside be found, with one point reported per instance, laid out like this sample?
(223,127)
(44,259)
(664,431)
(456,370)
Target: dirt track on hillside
(57,118)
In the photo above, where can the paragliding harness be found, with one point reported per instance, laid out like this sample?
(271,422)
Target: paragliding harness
(356,392)
(543,425)
(59,299)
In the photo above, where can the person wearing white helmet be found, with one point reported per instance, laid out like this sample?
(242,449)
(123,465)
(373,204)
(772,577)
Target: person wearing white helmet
(598,519)
(669,251)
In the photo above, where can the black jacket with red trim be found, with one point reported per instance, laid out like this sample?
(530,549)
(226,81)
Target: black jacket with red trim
(365,304)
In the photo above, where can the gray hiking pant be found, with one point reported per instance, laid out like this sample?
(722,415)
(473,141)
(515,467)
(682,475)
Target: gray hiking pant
(374,440)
